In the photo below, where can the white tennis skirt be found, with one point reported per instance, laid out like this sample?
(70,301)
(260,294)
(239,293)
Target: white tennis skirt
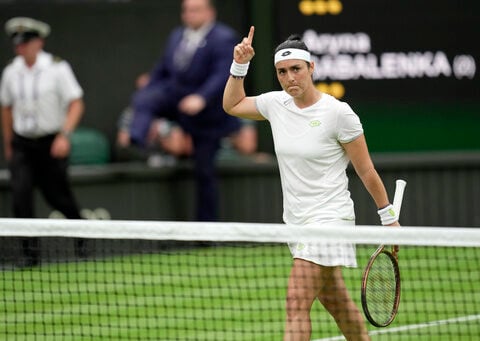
(327,254)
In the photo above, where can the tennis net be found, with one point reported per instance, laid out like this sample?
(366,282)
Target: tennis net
(146,280)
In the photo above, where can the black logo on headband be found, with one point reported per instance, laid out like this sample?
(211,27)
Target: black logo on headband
(286,53)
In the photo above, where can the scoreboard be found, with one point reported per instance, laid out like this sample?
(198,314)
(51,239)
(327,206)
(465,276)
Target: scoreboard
(378,50)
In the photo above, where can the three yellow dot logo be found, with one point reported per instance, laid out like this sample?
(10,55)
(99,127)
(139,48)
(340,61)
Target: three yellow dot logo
(336,89)
(324,7)
(320,7)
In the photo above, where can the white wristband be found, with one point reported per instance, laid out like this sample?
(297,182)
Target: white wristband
(239,70)
(388,215)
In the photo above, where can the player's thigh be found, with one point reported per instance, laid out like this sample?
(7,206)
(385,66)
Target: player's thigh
(333,290)
(305,282)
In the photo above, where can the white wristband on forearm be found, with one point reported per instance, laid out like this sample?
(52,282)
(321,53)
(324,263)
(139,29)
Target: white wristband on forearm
(388,215)
(239,70)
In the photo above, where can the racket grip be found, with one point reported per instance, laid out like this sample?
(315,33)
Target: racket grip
(398,197)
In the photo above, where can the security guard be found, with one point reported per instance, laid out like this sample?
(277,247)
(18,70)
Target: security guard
(41,106)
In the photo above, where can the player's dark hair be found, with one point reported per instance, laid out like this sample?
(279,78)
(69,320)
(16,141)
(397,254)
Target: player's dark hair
(294,41)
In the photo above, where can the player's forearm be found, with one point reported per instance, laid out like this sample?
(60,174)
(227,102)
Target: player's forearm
(374,185)
(234,93)
(235,101)
(357,152)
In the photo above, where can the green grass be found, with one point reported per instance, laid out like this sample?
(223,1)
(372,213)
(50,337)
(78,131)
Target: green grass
(221,293)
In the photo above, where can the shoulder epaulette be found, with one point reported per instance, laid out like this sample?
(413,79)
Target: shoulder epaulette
(57,59)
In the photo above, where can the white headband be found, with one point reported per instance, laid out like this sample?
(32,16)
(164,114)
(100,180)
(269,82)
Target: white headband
(285,54)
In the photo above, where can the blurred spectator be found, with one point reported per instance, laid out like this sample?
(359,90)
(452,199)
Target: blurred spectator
(166,138)
(41,106)
(186,87)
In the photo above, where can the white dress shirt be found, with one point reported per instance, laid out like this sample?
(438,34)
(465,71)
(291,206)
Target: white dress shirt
(39,95)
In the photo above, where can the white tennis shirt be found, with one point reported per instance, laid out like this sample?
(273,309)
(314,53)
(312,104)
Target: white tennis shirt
(311,159)
(39,96)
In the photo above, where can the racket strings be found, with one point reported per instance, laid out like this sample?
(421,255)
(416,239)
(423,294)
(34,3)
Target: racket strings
(381,289)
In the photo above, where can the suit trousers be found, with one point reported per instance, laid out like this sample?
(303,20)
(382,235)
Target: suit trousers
(205,152)
(156,101)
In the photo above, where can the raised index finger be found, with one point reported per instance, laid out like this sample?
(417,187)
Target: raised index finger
(250,35)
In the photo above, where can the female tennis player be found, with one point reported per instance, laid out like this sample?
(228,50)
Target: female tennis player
(315,137)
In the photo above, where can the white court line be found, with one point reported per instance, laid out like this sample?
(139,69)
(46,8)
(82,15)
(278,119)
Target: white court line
(412,327)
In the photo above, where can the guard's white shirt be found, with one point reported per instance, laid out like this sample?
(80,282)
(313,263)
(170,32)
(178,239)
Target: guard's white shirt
(39,96)
(311,159)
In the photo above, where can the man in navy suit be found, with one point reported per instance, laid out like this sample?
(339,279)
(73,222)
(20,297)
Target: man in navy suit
(187,86)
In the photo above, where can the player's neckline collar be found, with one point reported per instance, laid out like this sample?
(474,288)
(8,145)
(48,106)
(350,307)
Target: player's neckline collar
(318,100)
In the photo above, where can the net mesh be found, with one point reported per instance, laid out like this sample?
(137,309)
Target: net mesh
(114,280)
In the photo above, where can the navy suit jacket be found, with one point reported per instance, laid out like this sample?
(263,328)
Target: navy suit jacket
(206,75)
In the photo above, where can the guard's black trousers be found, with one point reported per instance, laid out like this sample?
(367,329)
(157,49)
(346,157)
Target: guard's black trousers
(32,166)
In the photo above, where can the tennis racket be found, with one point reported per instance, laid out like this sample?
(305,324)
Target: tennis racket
(381,277)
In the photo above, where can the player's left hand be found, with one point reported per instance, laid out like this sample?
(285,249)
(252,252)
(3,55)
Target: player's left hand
(244,52)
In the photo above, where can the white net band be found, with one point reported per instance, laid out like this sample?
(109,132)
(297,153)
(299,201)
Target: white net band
(223,231)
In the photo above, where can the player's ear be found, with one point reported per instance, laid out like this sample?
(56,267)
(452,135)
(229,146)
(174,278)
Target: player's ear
(311,67)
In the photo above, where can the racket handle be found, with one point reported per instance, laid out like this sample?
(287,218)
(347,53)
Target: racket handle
(397,205)
(398,197)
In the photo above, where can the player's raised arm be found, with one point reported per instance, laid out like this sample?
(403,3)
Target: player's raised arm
(235,100)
